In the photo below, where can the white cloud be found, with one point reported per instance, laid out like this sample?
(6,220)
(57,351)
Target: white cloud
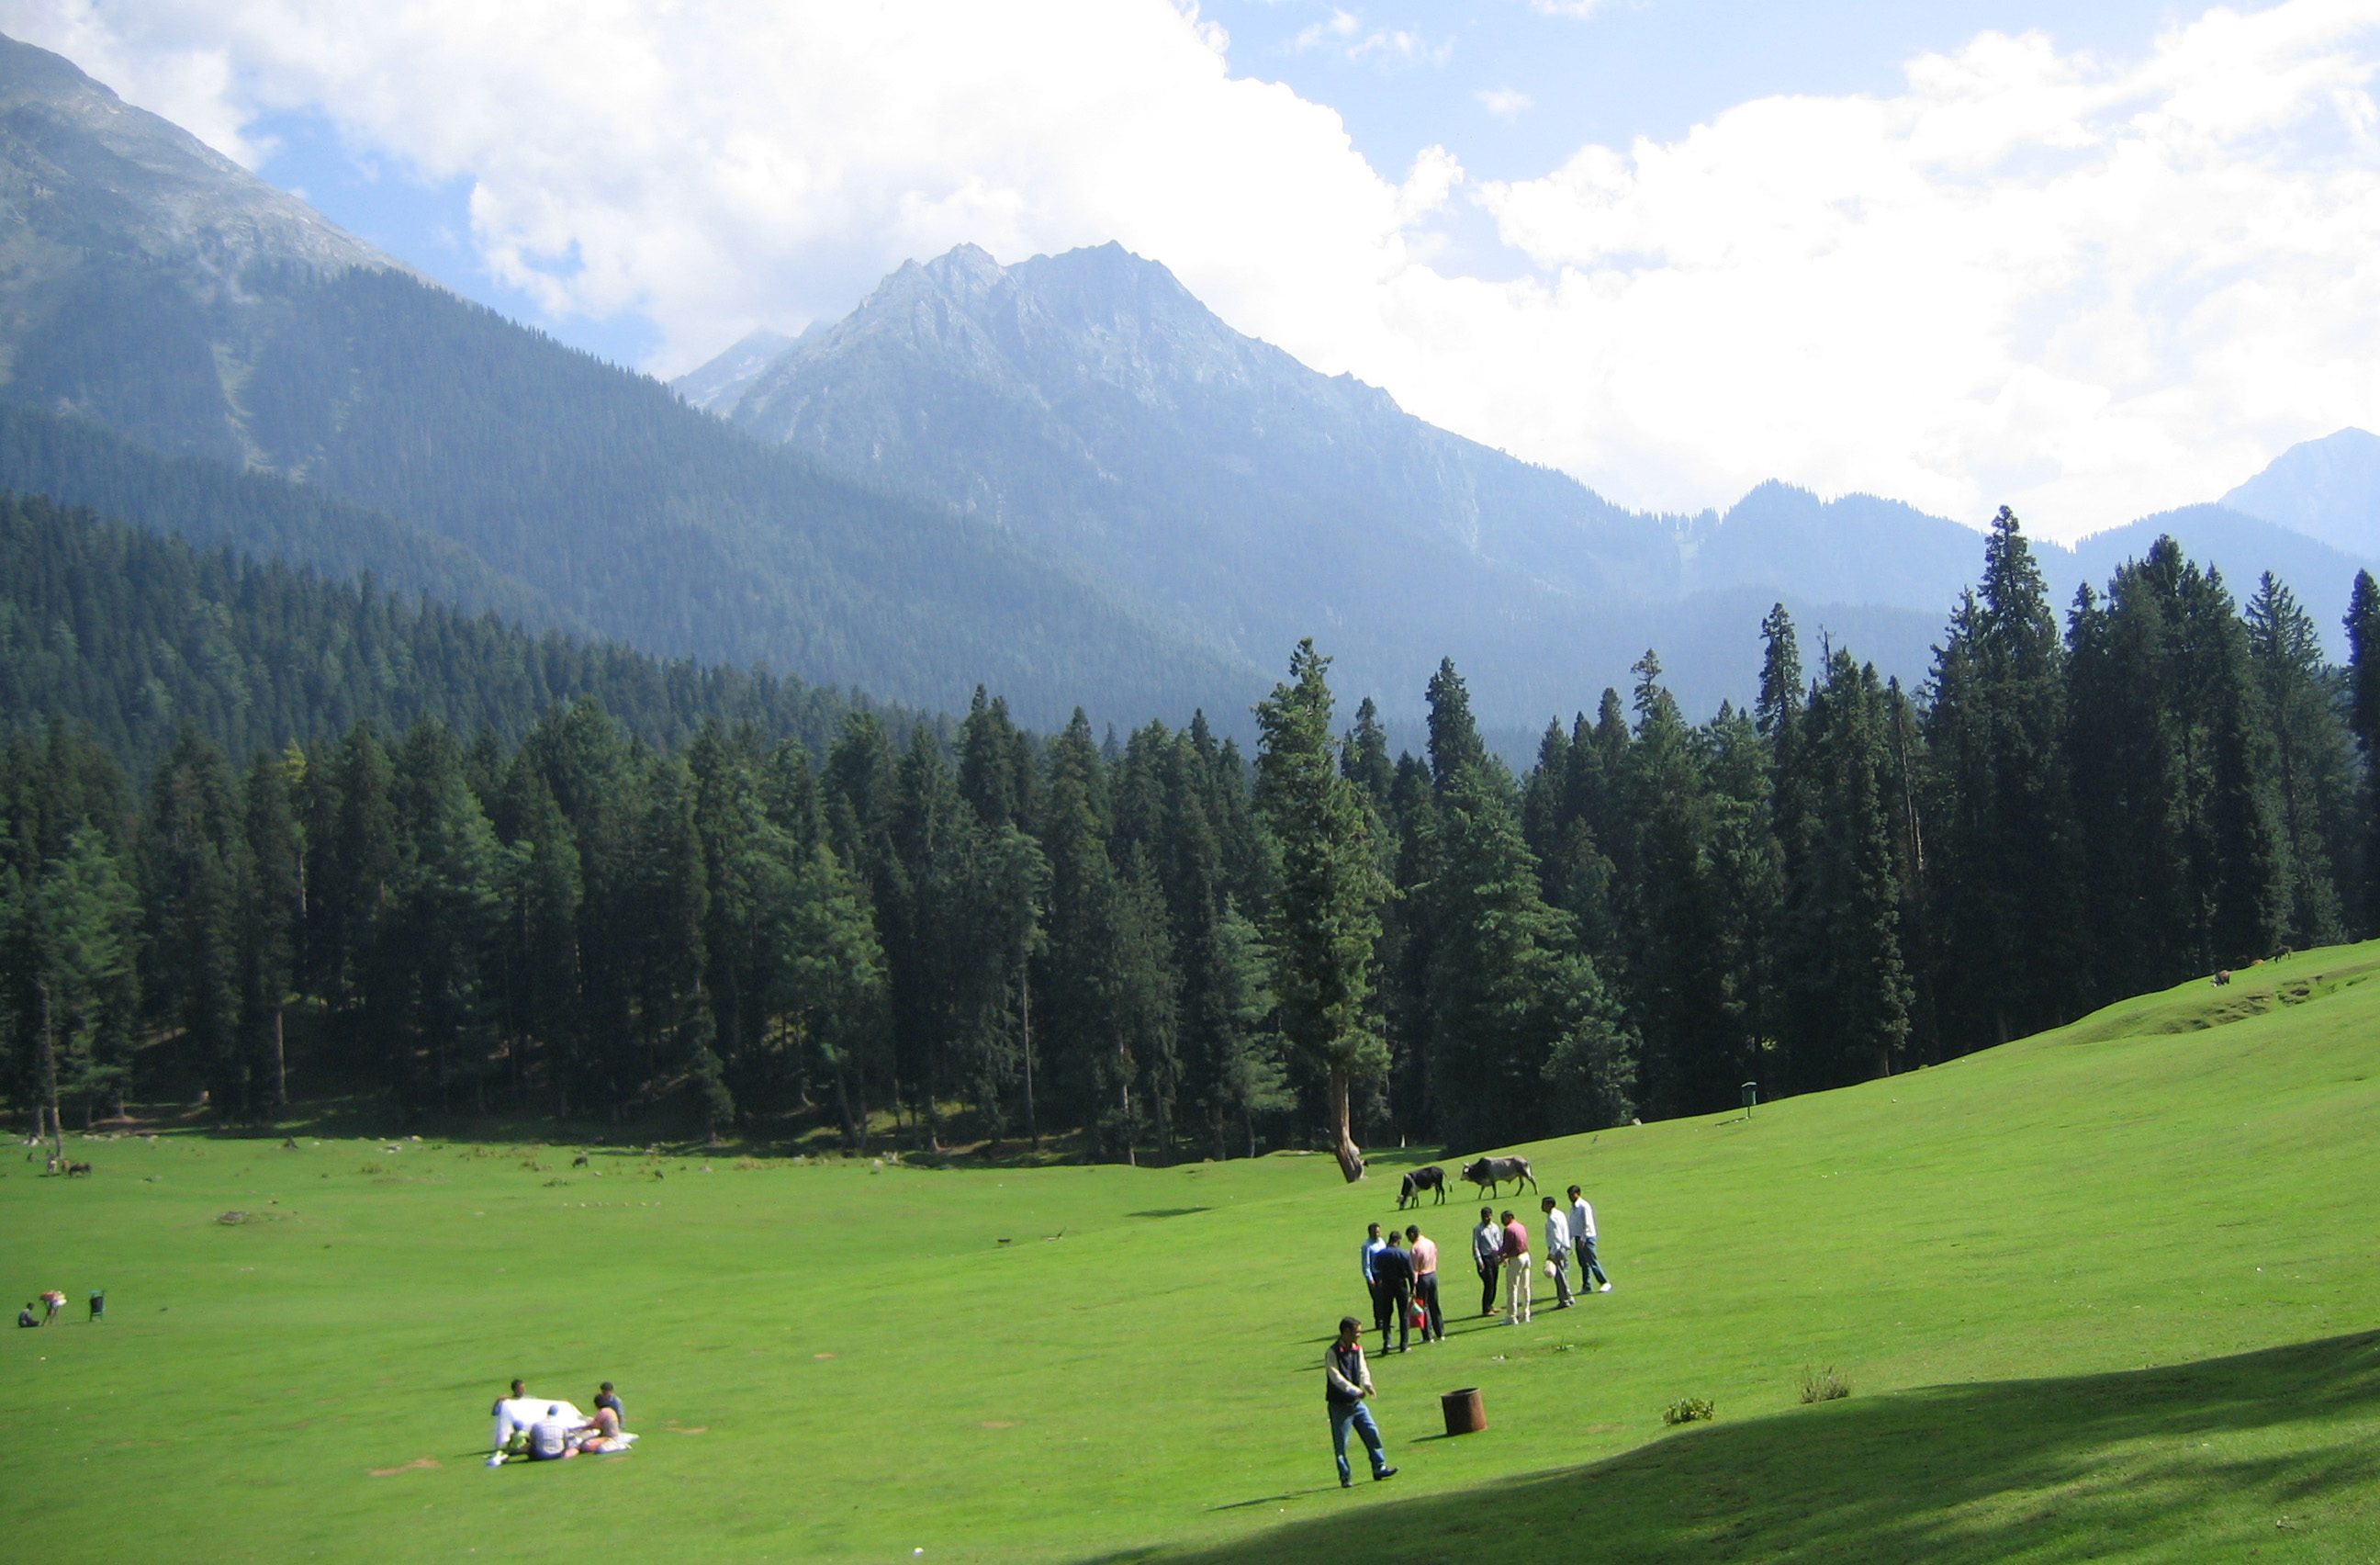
(2088,291)
(1342,32)
(1504,103)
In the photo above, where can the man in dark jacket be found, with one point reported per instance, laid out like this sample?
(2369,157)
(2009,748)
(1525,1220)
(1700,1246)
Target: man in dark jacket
(1346,1383)
(1394,1274)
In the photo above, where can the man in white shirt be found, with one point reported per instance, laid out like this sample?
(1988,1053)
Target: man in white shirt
(1558,1251)
(1582,1239)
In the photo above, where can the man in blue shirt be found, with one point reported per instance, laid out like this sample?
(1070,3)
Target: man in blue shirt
(1373,1245)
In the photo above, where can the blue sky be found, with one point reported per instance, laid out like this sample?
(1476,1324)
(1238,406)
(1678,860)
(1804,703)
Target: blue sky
(1626,69)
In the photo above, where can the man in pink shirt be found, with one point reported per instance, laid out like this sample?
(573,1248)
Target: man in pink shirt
(1516,1270)
(1425,1266)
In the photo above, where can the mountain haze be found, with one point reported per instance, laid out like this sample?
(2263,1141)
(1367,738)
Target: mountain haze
(1066,479)
(1088,403)
(2327,489)
(161,295)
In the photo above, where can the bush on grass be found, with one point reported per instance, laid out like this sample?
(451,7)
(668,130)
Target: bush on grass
(1823,1384)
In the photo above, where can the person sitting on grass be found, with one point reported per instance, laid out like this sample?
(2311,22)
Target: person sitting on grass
(551,1437)
(509,1422)
(1346,1383)
(25,1315)
(601,1435)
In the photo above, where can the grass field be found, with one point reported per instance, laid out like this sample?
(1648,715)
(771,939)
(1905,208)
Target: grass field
(2109,1293)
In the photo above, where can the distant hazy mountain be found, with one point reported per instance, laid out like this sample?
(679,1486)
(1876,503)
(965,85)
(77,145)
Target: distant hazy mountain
(154,291)
(719,384)
(2327,489)
(1090,403)
(1858,549)
(1065,479)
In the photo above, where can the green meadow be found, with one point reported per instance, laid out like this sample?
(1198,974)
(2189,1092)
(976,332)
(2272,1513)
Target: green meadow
(2109,1293)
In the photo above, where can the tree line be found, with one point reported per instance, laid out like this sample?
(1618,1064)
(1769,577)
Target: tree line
(1159,948)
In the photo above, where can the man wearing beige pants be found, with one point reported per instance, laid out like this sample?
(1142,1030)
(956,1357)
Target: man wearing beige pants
(1517,1271)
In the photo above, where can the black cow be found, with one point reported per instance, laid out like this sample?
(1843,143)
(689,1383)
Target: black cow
(1490,1173)
(1431,1178)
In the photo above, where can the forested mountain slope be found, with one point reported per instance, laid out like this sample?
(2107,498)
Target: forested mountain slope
(77,462)
(162,293)
(134,637)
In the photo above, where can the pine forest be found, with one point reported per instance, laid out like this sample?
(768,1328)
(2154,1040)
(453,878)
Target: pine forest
(269,834)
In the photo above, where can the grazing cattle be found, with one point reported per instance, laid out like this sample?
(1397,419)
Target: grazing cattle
(1490,1173)
(1431,1178)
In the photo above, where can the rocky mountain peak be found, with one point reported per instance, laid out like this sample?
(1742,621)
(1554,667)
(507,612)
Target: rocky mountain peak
(76,159)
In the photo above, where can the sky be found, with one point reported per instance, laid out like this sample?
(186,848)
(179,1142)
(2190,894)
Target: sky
(1961,253)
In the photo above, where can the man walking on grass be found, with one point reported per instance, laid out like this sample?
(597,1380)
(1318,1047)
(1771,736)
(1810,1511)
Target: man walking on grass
(1488,1257)
(1558,1251)
(1516,1272)
(1424,1251)
(1346,1381)
(1369,1258)
(1582,1239)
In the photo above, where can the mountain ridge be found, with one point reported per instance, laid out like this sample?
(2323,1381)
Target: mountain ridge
(163,296)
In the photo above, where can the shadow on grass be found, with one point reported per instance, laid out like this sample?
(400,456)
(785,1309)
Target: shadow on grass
(2146,1462)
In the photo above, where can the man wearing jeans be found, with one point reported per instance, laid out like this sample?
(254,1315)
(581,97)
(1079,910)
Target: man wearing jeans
(1582,1239)
(1424,1251)
(1346,1383)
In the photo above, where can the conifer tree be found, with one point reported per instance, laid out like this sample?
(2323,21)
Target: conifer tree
(193,862)
(1994,729)
(1846,989)
(2363,721)
(1521,1026)
(1325,922)
(70,938)
(2314,778)
(271,899)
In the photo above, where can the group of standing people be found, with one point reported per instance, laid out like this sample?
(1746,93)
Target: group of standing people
(1401,1271)
(1501,1245)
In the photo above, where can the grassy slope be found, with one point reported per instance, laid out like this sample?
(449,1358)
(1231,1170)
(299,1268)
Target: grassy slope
(2107,1293)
